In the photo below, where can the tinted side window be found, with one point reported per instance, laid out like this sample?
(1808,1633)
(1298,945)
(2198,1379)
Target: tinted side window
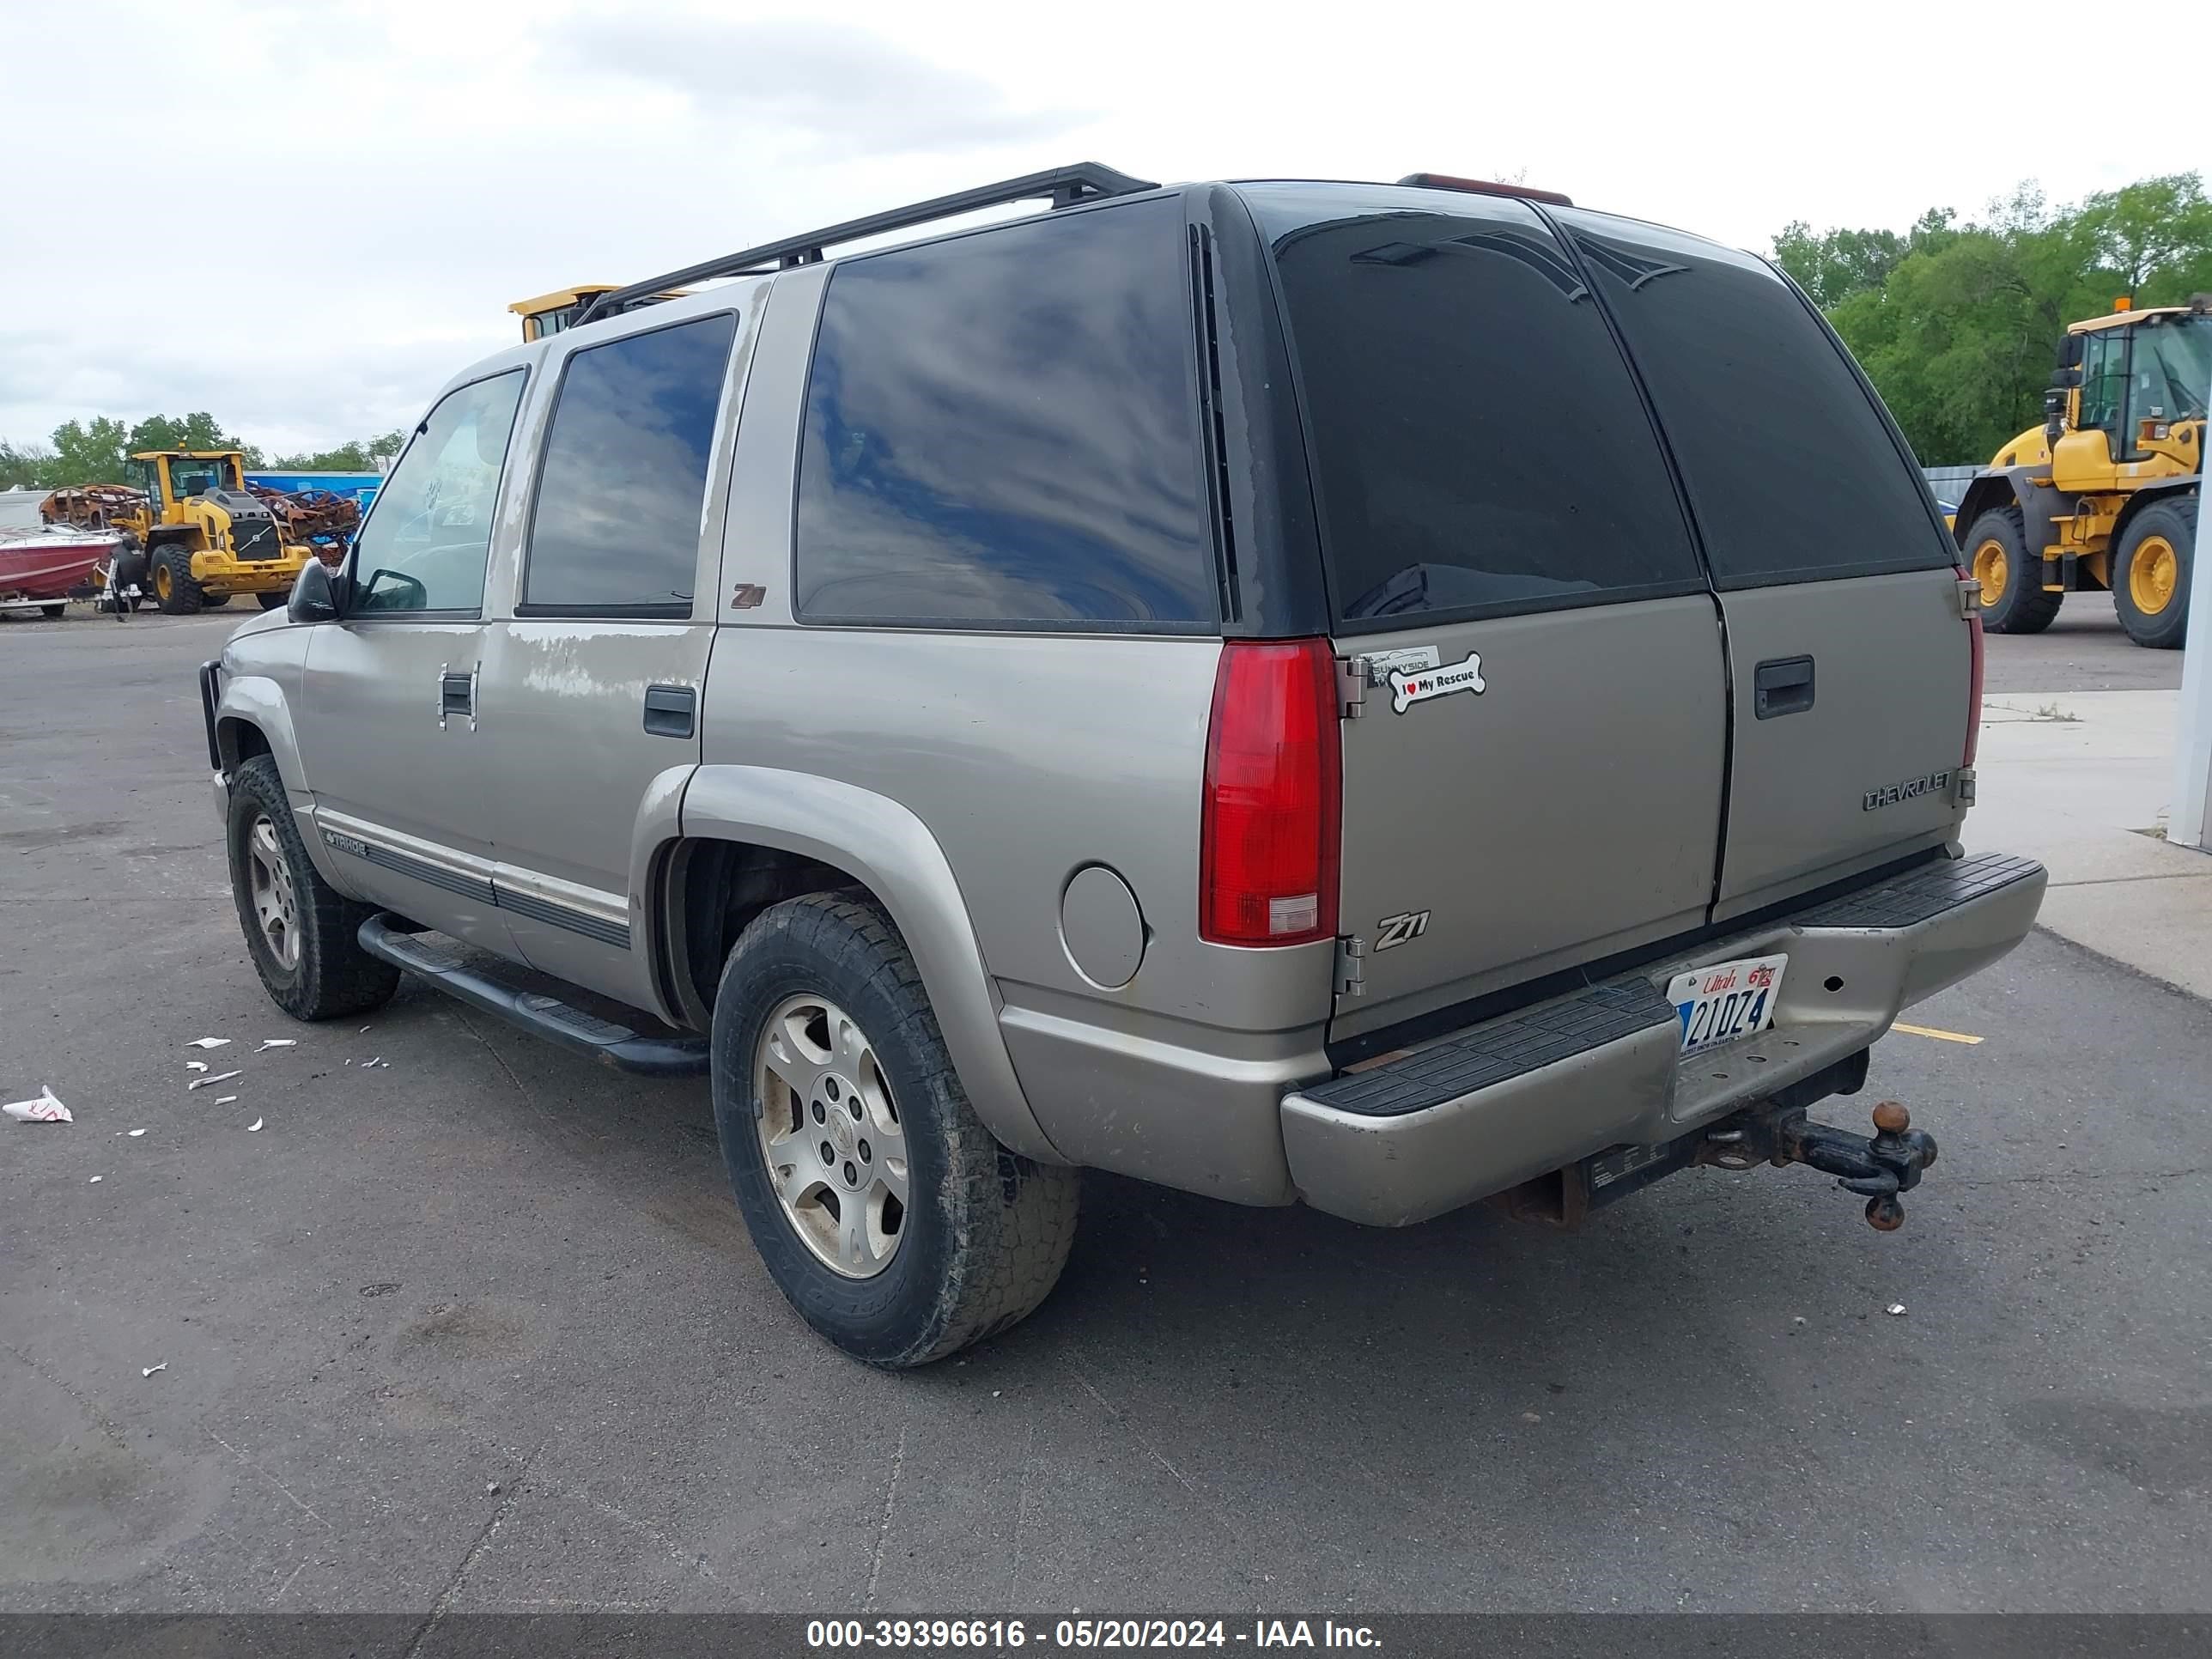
(1479,446)
(623,481)
(1003,428)
(427,538)
(1790,469)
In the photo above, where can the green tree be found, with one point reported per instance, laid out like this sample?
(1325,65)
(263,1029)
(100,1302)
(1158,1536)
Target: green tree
(89,452)
(1958,324)
(361,455)
(25,466)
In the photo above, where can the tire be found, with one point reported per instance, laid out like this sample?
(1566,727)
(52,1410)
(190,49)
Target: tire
(174,590)
(324,973)
(983,1232)
(53,612)
(2013,600)
(271,601)
(2150,574)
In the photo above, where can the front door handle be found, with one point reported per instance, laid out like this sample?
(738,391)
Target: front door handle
(672,711)
(1782,686)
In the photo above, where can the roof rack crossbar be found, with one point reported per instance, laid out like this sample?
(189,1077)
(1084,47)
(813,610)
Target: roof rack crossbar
(1086,181)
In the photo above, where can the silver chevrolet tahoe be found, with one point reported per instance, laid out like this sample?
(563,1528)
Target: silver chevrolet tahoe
(1378,696)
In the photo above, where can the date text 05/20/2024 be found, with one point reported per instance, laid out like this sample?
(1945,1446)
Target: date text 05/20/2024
(927,1635)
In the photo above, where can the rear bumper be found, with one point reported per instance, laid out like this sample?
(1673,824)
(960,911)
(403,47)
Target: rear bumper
(1413,1135)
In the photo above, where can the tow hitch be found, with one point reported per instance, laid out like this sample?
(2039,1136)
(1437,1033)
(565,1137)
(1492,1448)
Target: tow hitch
(1878,1166)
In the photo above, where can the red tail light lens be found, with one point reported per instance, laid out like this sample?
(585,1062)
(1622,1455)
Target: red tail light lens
(1268,837)
(1974,679)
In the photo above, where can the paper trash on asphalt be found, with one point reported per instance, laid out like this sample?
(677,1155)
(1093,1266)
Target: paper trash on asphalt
(252,1126)
(1895,1308)
(268,1044)
(134,1134)
(207,1043)
(219,1077)
(44,1110)
(147,1370)
(196,1066)
(224,1100)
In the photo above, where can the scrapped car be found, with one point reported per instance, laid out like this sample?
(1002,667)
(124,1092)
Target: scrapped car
(1378,696)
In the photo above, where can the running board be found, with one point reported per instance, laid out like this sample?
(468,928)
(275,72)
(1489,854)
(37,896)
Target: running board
(453,972)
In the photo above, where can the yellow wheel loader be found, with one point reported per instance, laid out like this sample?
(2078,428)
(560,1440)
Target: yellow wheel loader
(2103,496)
(200,536)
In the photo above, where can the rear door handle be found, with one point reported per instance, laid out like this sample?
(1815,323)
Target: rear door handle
(1783,685)
(672,711)
(456,695)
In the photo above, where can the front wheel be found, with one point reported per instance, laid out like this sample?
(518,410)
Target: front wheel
(174,589)
(885,1212)
(302,933)
(271,601)
(2150,574)
(2014,599)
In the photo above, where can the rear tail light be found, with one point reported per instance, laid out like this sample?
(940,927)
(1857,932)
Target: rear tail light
(1268,833)
(1973,673)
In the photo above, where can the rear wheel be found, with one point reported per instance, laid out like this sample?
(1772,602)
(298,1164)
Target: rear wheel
(271,601)
(174,590)
(2013,600)
(301,932)
(53,612)
(2150,574)
(886,1212)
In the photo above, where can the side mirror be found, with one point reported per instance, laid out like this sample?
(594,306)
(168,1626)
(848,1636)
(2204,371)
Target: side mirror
(314,595)
(2065,379)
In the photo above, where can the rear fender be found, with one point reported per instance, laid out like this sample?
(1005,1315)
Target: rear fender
(881,844)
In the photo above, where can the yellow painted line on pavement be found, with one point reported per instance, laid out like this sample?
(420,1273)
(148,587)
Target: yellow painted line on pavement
(1930,1031)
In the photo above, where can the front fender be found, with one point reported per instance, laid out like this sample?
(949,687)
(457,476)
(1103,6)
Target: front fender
(875,839)
(251,697)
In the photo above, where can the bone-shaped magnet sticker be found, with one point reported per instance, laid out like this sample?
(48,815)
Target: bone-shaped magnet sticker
(1419,684)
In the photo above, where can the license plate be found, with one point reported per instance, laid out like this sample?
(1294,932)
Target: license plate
(1726,1001)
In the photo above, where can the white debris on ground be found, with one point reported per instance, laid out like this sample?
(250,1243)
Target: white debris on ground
(207,1043)
(252,1126)
(196,1066)
(224,1100)
(147,1370)
(134,1134)
(44,1108)
(267,1043)
(1894,1308)
(219,1077)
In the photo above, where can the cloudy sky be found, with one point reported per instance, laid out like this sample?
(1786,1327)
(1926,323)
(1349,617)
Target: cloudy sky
(330,209)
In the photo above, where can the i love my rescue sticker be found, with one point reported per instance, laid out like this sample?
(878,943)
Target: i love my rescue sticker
(1410,686)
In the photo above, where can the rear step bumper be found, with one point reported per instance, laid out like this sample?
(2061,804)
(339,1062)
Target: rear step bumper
(458,975)
(1413,1135)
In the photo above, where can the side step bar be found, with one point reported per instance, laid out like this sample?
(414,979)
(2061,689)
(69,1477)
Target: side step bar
(542,1016)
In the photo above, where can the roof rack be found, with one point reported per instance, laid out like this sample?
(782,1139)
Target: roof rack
(1086,181)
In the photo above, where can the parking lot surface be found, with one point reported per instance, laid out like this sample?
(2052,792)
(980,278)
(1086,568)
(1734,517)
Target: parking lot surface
(479,1328)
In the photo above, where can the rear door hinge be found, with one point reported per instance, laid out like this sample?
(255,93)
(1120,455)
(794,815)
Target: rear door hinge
(1352,967)
(1351,690)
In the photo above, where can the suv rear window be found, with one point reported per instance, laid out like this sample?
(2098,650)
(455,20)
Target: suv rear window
(1790,469)
(1479,446)
(1002,429)
(615,532)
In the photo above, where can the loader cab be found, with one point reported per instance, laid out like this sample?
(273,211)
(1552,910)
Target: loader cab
(2138,382)
(550,313)
(170,476)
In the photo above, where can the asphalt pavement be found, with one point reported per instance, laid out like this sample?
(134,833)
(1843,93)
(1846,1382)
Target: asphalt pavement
(479,1328)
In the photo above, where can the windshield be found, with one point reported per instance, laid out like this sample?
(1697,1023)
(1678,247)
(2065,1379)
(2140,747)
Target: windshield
(190,477)
(2173,368)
